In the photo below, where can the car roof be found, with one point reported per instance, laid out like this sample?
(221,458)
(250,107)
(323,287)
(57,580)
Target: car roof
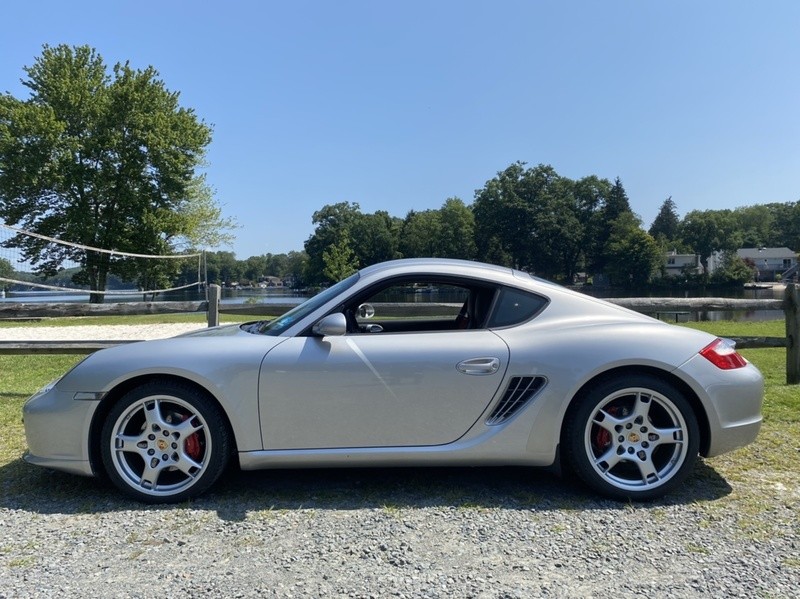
(414,265)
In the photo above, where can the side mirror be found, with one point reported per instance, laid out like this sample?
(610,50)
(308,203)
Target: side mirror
(332,325)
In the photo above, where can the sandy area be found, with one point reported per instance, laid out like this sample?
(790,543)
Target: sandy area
(97,332)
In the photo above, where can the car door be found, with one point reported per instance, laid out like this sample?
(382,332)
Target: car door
(416,388)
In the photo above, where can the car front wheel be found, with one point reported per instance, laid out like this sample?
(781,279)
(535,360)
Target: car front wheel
(164,443)
(635,437)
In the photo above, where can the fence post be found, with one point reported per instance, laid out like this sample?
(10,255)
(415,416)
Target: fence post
(791,308)
(214,294)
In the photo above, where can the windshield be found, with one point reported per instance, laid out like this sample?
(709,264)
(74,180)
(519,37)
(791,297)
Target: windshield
(280,324)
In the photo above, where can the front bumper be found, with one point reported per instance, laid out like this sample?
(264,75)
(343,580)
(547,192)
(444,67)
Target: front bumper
(57,431)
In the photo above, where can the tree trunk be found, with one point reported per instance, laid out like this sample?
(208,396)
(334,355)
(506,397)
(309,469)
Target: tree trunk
(98,276)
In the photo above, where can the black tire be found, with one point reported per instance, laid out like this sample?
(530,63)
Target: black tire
(165,442)
(631,438)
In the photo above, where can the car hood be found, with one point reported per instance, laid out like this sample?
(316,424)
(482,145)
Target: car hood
(212,354)
(219,331)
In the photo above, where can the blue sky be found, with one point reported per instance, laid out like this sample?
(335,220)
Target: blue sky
(401,105)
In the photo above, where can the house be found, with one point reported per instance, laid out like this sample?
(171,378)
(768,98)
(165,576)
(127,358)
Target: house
(679,265)
(771,263)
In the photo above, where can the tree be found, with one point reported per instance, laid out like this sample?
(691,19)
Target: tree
(340,260)
(709,231)
(755,224)
(734,270)
(6,271)
(333,221)
(103,160)
(615,205)
(420,234)
(502,217)
(457,230)
(223,268)
(255,268)
(667,223)
(785,226)
(445,233)
(295,266)
(529,218)
(373,237)
(632,255)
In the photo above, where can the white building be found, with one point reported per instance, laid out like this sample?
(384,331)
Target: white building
(770,262)
(677,265)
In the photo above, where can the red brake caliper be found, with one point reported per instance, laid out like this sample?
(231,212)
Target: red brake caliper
(192,444)
(602,437)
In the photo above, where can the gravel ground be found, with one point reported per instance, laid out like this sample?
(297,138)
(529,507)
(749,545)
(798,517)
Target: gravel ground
(117,332)
(497,533)
(493,533)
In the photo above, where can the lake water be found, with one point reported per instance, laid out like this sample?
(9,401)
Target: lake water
(229,297)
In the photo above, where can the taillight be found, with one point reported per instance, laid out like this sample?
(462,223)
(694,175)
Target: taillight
(723,355)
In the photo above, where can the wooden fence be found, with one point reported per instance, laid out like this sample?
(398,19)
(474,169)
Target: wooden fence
(790,305)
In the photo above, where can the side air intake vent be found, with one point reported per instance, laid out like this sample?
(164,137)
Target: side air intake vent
(520,391)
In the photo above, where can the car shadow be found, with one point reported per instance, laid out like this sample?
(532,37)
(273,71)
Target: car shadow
(38,490)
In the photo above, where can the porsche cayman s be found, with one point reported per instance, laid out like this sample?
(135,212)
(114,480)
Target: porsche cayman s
(422,362)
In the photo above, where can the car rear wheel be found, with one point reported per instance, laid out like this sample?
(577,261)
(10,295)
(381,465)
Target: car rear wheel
(634,437)
(165,442)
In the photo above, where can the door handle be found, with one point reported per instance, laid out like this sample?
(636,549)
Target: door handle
(479,366)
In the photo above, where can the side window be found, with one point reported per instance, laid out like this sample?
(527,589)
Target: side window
(411,306)
(515,306)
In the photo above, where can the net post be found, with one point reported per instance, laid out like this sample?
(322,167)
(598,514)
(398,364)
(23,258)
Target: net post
(791,308)
(214,294)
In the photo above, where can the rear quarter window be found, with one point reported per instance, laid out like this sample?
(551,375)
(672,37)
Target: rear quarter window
(515,306)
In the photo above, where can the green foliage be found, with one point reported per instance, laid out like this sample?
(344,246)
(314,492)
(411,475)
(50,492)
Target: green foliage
(445,233)
(537,220)
(615,205)
(332,222)
(339,259)
(457,233)
(709,231)
(223,268)
(631,254)
(420,234)
(667,223)
(531,219)
(105,160)
(734,270)
(6,270)
(371,238)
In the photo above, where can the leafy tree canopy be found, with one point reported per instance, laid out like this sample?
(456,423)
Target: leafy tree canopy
(633,255)
(102,159)
(6,270)
(667,223)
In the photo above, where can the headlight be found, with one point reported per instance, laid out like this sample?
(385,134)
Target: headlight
(46,389)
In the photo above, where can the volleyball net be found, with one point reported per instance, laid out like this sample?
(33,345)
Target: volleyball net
(64,268)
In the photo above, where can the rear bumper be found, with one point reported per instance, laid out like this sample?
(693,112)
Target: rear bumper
(732,401)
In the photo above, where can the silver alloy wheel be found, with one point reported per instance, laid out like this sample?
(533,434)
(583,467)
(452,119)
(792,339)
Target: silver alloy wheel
(636,439)
(160,445)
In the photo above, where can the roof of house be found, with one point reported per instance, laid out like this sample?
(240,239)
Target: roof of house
(766,253)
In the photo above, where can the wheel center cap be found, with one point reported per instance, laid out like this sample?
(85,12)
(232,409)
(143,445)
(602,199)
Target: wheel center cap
(633,438)
(162,444)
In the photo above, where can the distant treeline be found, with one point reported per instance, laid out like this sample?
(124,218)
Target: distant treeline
(528,218)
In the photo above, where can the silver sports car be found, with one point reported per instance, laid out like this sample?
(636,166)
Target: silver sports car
(413,362)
